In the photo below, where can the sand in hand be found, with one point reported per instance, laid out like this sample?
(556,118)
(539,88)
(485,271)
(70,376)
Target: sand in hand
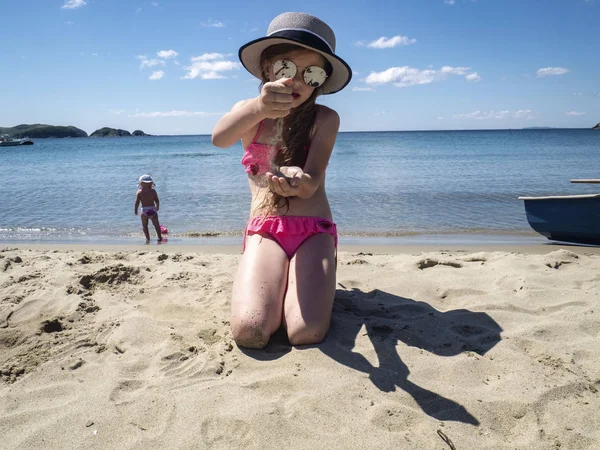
(132,349)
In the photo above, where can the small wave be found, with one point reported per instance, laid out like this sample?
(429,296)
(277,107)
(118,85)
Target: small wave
(209,234)
(192,155)
(35,230)
(36,233)
(456,231)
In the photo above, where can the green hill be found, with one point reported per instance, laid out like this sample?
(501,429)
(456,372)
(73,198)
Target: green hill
(39,130)
(110,132)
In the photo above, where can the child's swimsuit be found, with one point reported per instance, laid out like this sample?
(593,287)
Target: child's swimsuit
(149,211)
(257,156)
(288,231)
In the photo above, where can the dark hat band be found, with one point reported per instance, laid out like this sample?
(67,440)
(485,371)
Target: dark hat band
(304,37)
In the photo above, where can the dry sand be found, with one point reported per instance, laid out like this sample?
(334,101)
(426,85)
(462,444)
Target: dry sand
(101,348)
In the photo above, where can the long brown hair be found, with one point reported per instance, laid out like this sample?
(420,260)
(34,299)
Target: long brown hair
(292,135)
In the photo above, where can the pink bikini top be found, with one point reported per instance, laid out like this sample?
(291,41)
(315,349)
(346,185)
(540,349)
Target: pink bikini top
(257,156)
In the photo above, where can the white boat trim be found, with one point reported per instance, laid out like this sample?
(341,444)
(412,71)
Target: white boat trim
(586,180)
(561,197)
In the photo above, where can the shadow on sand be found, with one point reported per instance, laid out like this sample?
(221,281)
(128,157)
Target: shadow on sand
(390,319)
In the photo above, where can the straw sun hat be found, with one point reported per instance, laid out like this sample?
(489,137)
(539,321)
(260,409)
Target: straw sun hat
(305,31)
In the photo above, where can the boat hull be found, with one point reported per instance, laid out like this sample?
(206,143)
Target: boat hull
(13,143)
(573,218)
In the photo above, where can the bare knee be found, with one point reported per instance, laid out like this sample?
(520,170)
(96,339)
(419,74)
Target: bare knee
(249,332)
(307,334)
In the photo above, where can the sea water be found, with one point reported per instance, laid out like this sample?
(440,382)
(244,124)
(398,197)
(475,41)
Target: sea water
(379,184)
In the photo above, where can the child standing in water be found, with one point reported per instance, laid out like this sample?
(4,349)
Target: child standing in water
(148,198)
(287,270)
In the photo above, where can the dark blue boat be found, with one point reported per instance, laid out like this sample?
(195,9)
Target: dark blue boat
(569,218)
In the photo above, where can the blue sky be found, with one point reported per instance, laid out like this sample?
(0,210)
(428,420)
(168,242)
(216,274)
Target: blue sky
(171,67)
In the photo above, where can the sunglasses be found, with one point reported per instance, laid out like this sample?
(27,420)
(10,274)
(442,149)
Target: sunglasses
(314,76)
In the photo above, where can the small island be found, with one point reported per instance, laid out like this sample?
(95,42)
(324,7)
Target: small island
(116,132)
(597,127)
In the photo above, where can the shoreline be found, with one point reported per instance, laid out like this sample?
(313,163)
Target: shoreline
(373,247)
(474,236)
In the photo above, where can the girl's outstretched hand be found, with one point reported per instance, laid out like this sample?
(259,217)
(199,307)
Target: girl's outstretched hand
(288,183)
(276,98)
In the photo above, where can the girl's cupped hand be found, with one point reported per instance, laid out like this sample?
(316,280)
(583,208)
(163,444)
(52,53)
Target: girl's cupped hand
(288,182)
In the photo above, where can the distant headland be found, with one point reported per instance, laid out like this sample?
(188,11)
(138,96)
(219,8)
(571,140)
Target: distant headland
(597,127)
(39,130)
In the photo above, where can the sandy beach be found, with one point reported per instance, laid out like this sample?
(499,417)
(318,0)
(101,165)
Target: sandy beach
(429,348)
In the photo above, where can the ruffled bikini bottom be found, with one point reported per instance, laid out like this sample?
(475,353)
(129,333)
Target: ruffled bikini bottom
(290,231)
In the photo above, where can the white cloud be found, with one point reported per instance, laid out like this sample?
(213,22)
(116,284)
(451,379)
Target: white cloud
(210,66)
(473,77)
(409,76)
(485,115)
(213,24)
(440,118)
(525,114)
(209,57)
(166,54)
(156,75)
(548,71)
(146,62)
(384,42)
(449,2)
(154,4)
(362,89)
(72,4)
(575,113)
(456,70)
(578,94)
(118,112)
(175,113)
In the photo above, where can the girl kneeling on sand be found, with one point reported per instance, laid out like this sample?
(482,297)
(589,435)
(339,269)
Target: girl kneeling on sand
(287,271)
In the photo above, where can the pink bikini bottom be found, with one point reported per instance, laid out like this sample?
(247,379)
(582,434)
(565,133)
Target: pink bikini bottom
(290,231)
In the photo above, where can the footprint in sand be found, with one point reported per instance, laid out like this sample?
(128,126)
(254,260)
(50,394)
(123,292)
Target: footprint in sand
(225,432)
(124,391)
(205,359)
